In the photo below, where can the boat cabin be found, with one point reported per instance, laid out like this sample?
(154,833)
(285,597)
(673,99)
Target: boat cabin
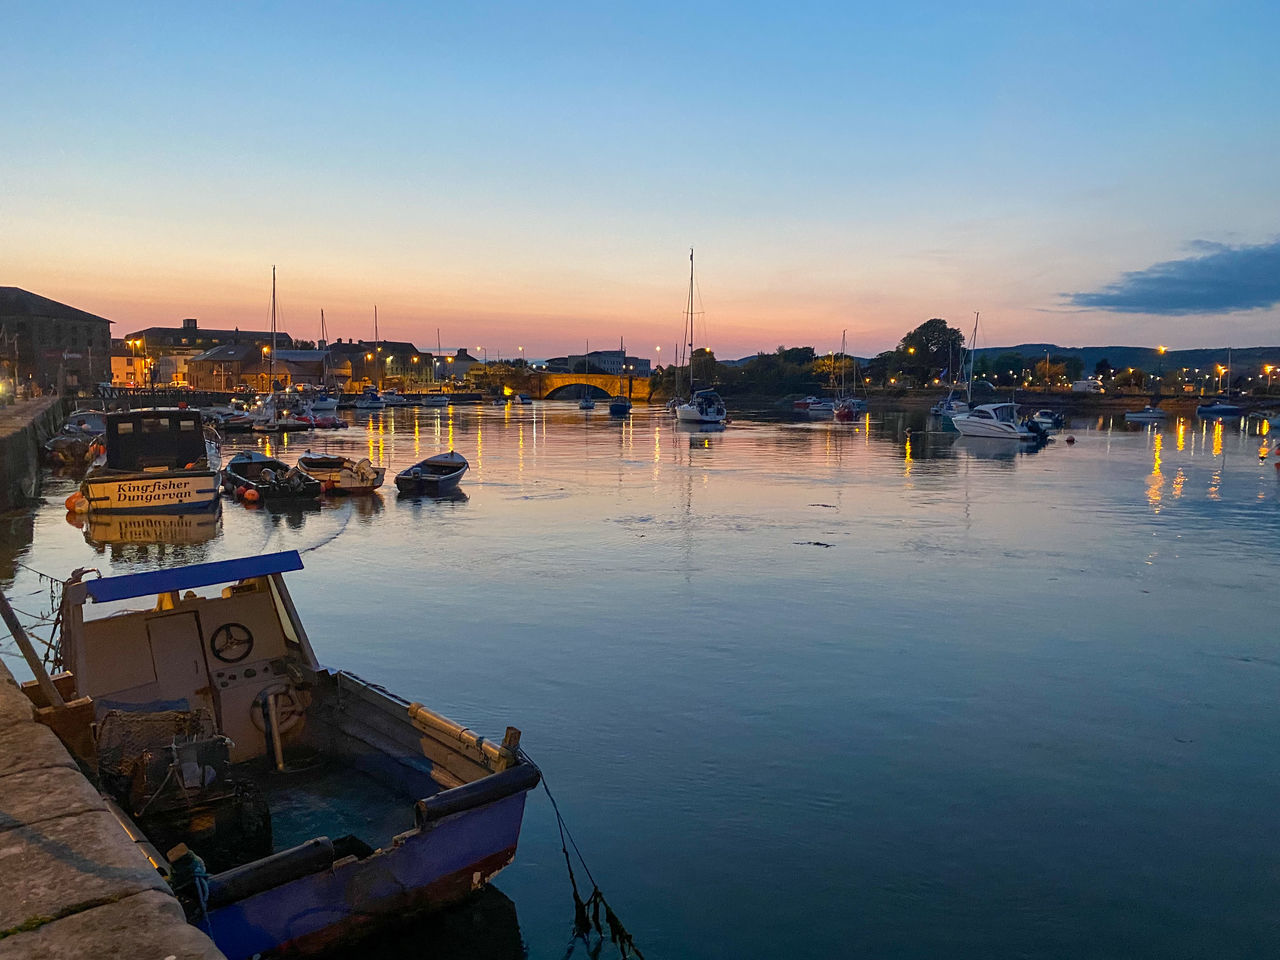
(1001,412)
(154,440)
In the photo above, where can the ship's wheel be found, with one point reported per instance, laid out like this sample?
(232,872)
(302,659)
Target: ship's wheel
(231,642)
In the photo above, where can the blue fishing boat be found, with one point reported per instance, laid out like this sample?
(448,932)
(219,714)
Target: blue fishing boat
(288,805)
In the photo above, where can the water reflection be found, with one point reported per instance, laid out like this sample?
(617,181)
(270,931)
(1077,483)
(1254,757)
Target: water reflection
(119,528)
(484,927)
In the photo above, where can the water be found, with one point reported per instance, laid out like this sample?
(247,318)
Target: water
(817,690)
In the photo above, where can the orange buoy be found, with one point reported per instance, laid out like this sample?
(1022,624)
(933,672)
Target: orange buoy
(70,502)
(1071,439)
(251,496)
(240,491)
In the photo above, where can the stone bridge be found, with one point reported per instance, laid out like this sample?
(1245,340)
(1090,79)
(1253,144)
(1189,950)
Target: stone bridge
(572,386)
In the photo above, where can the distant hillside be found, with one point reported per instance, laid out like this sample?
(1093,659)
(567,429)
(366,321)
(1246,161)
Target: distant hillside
(1245,360)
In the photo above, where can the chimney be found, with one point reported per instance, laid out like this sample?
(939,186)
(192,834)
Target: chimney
(189,323)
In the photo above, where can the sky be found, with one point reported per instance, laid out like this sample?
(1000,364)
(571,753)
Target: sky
(533,175)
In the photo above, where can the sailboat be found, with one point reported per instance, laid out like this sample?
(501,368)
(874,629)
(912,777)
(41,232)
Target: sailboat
(847,406)
(704,406)
(371,397)
(327,401)
(586,403)
(270,418)
(949,406)
(620,406)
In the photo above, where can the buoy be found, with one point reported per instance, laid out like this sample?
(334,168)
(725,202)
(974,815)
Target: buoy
(241,491)
(82,504)
(1071,439)
(251,496)
(71,501)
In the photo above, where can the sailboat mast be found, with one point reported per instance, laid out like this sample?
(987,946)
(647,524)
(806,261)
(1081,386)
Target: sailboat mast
(377,360)
(689,311)
(271,364)
(973,346)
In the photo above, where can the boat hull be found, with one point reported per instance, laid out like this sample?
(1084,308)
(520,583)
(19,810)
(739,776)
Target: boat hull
(690,414)
(175,491)
(428,485)
(344,477)
(969,427)
(440,863)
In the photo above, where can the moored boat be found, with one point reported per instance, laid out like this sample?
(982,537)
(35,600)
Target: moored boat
(287,804)
(342,474)
(1219,409)
(435,400)
(434,475)
(705,407)
(849,409)
(153,461)
(266,478)
(1048,419)
(994,420)
(1147,414)
(620,406)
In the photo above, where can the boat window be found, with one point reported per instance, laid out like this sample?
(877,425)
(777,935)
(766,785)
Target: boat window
(155,425)
(124,428)
(186,424)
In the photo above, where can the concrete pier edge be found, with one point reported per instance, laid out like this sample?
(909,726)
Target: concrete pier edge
(72,883)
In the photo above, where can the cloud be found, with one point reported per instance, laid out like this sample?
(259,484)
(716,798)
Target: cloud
(1223,279)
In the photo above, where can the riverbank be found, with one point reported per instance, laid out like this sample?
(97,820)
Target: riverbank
(72,884)
(24,426)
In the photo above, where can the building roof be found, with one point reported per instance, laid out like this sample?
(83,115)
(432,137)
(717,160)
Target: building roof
(203,333)
(16,302)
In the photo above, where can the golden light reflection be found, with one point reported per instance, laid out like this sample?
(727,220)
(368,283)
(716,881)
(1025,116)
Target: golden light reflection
(657,444)
(1155,487)
(1179,479)
(1182,433)
(520,449)
(907,461)
(1217,438)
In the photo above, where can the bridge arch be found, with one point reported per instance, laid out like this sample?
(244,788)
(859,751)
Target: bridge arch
(577,391)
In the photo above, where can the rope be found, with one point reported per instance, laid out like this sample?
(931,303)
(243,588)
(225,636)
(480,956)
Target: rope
(584,921)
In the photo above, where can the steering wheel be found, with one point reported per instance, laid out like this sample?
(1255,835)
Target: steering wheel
(231,642)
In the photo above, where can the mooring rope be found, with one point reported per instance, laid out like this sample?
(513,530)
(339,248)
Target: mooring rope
(586,913)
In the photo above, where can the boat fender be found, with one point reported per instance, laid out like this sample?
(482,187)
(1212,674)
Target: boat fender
(251,496)
(241,491)
(1071,439)
(291,706)
(242,882)
(416,473)
(496,786)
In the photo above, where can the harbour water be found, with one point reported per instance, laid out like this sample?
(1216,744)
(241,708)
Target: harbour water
(813,690)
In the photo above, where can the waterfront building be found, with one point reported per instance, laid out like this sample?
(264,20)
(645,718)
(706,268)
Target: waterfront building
(230,366)
(166,352)
(49,345)
(613,362)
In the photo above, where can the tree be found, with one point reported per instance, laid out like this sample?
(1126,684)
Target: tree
(930,348)
(1102,369)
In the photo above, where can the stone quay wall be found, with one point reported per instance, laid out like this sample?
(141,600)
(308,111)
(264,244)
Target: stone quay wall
(24,426)
(72,883)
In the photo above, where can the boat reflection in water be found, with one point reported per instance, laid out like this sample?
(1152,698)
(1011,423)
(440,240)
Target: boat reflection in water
(994,448)
(113,529)
(483,927)
(453,497)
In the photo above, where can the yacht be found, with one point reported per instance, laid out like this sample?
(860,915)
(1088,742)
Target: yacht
(993,420)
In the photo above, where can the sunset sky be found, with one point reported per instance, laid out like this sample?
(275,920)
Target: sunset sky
(534,174)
